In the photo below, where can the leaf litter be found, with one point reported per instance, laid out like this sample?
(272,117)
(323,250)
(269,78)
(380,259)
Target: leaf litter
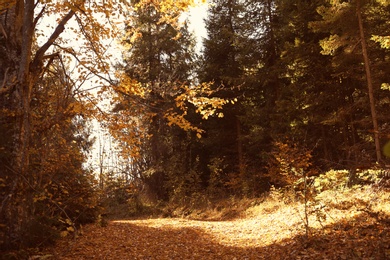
(275,232)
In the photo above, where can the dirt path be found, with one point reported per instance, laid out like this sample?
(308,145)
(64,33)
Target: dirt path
(172,239)
(269,236)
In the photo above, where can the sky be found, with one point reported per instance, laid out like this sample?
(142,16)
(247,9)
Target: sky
(196,17)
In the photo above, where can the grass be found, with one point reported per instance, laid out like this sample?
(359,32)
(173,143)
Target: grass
(344,224)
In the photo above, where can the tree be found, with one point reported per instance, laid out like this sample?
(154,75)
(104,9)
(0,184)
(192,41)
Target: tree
(367,67)
(345,21)
(160,61)
(222,66)
(28,55)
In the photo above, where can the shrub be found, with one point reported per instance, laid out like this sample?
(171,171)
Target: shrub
(331,180)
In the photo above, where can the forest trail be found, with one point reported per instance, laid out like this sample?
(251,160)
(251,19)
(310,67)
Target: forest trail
(175,239)
(277,235)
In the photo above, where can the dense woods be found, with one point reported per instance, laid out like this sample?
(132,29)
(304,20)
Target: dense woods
(281,90)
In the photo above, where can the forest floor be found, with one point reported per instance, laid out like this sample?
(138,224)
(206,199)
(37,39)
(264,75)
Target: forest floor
(352,226)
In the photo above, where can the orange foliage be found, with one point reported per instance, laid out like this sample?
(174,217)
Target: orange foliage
(289,163)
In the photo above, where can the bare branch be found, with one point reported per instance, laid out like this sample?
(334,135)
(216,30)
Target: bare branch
(3,31)
(51,58)
(109,80)
(59,29)
(39,16)
(4,80)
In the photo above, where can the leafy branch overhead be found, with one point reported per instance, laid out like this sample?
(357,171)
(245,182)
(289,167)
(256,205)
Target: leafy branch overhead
(201,97)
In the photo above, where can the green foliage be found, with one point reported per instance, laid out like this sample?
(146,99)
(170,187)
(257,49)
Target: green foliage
(338,180)
(386,149)
(332,180)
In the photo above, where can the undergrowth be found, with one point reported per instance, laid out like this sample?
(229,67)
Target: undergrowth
(329,198)
(335,211)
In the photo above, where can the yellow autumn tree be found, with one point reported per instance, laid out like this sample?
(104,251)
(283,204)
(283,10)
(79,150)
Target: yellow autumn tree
(34,36)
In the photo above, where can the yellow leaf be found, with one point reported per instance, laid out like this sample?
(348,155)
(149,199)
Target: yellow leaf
(386,149)
(70,229)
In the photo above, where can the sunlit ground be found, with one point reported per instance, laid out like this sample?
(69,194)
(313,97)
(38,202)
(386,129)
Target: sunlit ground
(351,224)
(269,223)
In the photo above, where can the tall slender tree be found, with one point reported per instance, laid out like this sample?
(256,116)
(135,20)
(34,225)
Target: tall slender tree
(160,60)
(223,65)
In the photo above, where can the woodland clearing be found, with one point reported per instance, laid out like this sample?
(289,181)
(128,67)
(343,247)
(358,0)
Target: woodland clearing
(354,225)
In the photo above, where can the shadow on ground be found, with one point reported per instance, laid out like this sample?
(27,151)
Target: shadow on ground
(363,237)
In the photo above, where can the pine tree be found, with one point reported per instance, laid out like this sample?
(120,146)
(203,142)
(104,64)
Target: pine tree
(221,67)
(349,25)
(161,61)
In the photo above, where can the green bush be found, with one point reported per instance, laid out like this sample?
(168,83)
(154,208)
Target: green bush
(340,179)
(331,180)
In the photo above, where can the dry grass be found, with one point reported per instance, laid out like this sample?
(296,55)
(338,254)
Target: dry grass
(356,226)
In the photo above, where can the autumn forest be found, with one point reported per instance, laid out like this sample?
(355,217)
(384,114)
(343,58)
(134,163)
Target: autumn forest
(284,100)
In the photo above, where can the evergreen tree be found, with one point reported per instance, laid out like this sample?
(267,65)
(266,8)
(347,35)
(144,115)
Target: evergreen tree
(349,26)
(221,66)
(161,61)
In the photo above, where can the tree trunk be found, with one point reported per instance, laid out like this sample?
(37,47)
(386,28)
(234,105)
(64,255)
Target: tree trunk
(18,23)
(369,83)
(241,163)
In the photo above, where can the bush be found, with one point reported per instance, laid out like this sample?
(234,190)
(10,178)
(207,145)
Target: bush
(40,231)
(331,180)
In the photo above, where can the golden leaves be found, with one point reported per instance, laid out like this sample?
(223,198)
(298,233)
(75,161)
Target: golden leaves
(69,227)
(200,97)
(384,41)
(290,162)
(206,105)
(270,230)
(129,86)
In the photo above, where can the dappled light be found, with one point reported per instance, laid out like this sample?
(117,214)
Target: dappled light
(270,230)
(193,129)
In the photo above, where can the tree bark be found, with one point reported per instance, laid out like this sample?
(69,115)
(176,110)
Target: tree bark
(369,83)
(25,86)
(29,71)
(241,163)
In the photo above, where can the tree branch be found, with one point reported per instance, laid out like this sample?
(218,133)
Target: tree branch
(4,80)
(3,31)
(59,29)
(39,16)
